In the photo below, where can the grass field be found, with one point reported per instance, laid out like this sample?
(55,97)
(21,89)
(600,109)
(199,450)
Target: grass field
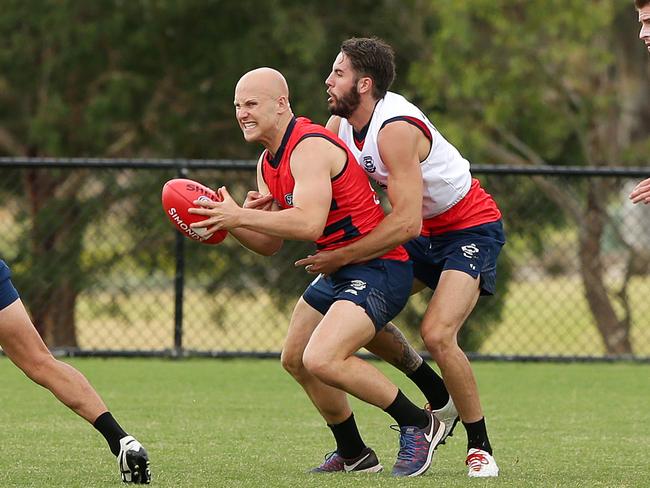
(245,423)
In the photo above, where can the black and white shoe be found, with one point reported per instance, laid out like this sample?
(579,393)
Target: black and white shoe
(133,461)
(366,462)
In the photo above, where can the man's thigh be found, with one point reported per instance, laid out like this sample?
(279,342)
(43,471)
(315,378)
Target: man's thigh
(380,287)
(472,251)
(344,330)
(19,339)
(8,293)
(304,321)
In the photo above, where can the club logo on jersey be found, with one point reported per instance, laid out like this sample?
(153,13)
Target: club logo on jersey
(288,199)
(368,164)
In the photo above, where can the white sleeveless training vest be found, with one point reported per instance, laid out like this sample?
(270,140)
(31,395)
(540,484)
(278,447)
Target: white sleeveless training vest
(445,172)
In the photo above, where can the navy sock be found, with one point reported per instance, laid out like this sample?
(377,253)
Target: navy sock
(477,437)
(405,412)
(432,385)
(348,440)
(111,431)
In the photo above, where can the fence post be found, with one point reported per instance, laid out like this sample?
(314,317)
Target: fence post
(179,286)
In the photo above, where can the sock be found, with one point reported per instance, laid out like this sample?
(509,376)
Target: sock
(406,413)
(348,440)
(111,431)
(429,383)
(477,437)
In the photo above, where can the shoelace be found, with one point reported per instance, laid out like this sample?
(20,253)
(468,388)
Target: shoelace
(329,455)
(476,460)
(331,458)
(406,449)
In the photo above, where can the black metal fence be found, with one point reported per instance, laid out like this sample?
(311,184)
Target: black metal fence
(103,272)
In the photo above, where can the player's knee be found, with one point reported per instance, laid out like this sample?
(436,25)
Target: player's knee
(318,365)
(39,368)
(311,361)
(438,340)
(292,363)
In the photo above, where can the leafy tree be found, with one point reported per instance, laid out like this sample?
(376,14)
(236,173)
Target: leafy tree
(117,78)
(547,82)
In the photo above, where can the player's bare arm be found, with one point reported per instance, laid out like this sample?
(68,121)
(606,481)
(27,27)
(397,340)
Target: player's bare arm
(312,193)
(259,200)
(333,124)
(222,215)
(311,164)
(399,145)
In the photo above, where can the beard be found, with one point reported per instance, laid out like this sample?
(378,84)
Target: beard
(346,105)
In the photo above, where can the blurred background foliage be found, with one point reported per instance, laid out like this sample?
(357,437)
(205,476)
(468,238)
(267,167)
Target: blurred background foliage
(519,82)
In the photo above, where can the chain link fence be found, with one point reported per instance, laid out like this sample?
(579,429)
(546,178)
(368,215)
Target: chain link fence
(103,272)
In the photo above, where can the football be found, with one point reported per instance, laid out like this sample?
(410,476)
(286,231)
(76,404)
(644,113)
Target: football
(178,196)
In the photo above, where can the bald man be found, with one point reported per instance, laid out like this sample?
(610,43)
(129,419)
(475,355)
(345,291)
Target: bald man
(318,192)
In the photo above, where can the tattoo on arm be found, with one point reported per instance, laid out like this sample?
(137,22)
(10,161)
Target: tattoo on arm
(408,360)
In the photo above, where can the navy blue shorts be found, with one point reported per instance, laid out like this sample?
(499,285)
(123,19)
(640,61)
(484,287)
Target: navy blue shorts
(8,293)
(380,286)
(473,251)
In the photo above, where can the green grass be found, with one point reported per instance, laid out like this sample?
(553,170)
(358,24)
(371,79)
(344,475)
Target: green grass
(245,423)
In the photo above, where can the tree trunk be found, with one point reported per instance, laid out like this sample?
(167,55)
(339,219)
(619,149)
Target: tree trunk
(615,333)
(54,317)
(55,240)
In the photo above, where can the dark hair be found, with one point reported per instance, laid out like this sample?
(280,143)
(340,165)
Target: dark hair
(373,58)
(641,3)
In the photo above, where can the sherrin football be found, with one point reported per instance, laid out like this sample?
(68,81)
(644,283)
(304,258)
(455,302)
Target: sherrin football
(178,197)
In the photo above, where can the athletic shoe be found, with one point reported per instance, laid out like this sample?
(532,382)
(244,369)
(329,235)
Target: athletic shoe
(447,415)
(481,464)
(133,462)
(416,447)
(366,462)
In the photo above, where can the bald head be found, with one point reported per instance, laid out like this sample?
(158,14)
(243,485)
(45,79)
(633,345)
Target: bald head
(262,106)
(265,82)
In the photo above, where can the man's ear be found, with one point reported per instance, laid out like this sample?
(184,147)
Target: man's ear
(283,104)
(364,85)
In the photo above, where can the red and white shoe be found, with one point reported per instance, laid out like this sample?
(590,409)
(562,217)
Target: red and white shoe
(481,464)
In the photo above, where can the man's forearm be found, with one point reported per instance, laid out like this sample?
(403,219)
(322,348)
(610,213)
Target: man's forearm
(390,233)
(256,241)
(286,224)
